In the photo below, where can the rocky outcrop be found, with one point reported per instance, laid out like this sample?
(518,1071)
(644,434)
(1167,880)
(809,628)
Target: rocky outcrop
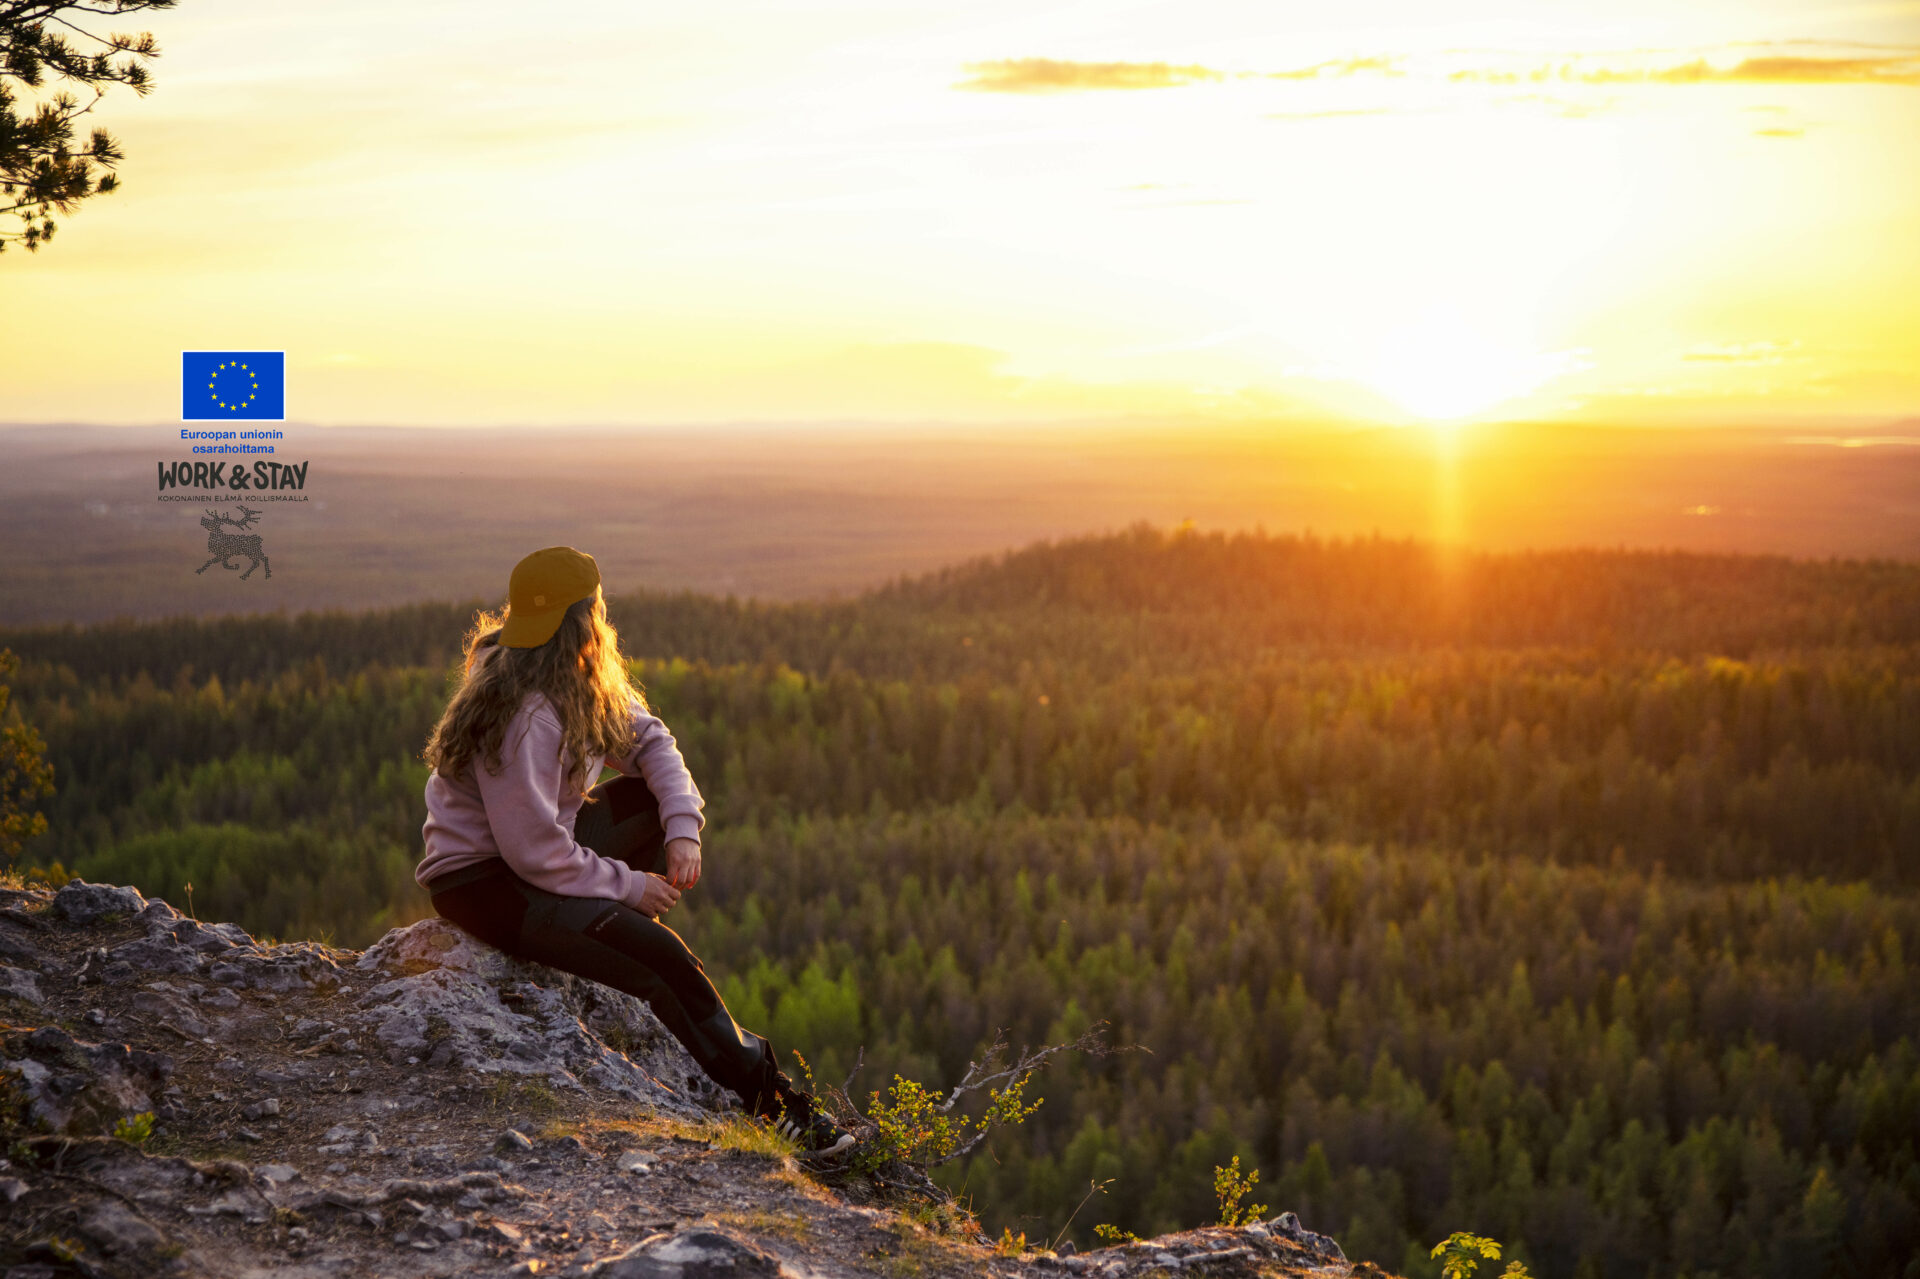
(445,999)
(437,997)
(1281,1242)
(173,945)
(181,1098)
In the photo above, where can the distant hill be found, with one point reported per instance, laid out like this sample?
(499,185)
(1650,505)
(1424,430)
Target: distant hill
(1171,598)
(808,512)
(1400,591)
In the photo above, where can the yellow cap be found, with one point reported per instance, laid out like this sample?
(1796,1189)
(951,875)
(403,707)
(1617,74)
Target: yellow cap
(544,585)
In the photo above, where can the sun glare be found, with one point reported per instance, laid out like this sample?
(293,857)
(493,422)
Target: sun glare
(1443,366)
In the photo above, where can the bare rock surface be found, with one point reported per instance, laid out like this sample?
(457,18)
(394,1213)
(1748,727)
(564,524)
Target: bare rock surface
(429,1107)
(79,902)
(443,998)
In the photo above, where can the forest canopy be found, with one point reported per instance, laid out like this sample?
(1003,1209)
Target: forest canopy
(1561,897)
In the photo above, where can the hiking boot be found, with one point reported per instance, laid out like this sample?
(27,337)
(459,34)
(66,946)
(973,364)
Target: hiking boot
(796,1116)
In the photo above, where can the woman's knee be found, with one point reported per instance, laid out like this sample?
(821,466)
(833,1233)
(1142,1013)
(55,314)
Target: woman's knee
(627,798)
(647,939)
(655,946)
(623,824)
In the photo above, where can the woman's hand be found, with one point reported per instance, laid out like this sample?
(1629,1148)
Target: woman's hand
(683,862)
(656,897)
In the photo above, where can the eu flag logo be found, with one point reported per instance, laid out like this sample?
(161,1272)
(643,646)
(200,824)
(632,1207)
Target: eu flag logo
(233,385)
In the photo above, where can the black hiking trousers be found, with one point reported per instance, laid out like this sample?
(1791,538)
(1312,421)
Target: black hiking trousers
(612,943)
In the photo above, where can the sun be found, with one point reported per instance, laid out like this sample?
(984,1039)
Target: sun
(1444,365)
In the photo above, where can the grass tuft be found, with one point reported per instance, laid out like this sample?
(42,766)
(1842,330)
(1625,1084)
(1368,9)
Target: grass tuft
(787,1225)
(751,1137)
(534,1096)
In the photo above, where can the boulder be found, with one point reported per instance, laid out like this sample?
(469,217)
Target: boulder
(1288,1227)
(448,999)
(197,936)
(82,903)
(149,955)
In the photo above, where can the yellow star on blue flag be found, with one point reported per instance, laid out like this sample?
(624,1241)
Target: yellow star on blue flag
(232,386)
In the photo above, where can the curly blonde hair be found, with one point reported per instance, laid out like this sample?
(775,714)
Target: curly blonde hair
(580,671)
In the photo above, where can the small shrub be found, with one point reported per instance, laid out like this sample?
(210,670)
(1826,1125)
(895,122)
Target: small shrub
(942,1218)
(1112,1235)
(910,1125)
(907,1126)
(66,1251)
(1460,1254)
(135,1130)
(54,876)
(25,775)
(1010,1244)
(1230,1187)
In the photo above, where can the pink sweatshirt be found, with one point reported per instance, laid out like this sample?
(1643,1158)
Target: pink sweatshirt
(525,813)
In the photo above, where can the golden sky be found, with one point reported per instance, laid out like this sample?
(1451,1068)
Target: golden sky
(1391,210)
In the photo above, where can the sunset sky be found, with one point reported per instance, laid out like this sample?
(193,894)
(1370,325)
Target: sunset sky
(1625,211)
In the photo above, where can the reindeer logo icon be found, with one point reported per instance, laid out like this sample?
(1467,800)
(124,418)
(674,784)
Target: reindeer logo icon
(223,546)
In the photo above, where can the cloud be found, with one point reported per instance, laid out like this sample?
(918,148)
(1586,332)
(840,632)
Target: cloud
(1901,70)
(1779,70)
(1055,75)
(1890,65)
(1052,75)
(1779,133)
(1337,67)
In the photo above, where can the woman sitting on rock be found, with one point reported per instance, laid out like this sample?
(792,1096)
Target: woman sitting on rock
(522,855)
